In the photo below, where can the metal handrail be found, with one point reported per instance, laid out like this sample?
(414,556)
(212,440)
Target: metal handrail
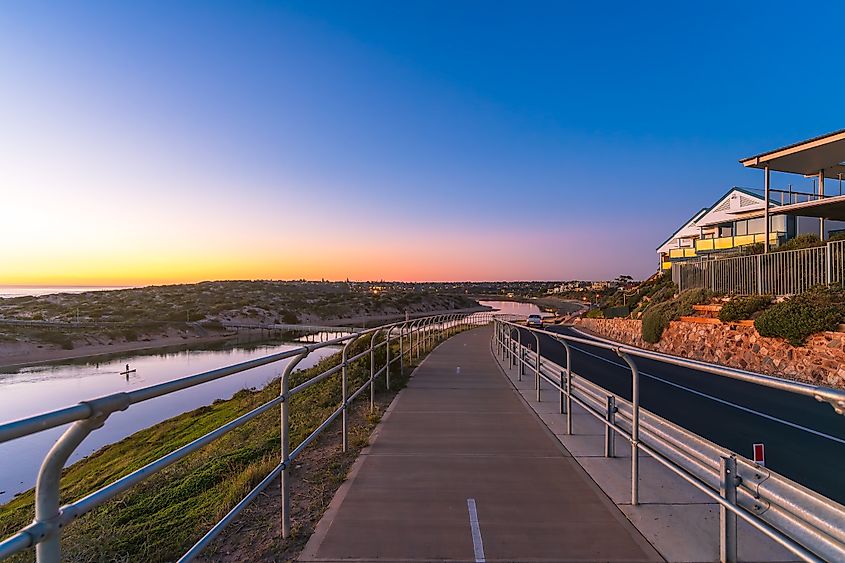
(803,521)
(44,533)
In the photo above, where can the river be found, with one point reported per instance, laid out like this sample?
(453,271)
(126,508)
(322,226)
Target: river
(33,390)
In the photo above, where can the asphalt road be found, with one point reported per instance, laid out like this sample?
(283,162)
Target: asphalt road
(804,439)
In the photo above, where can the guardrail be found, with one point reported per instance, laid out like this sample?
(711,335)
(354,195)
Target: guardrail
(778,273)
(413,338)
(806,523)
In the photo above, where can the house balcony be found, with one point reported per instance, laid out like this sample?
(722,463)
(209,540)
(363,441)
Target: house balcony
(727,243)
(682,253)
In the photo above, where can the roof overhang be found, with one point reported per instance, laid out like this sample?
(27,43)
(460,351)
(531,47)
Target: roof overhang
(825,153)
(738,217)
(832,208)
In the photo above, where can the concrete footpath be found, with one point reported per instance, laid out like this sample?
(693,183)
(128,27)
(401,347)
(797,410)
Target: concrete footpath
(460,469)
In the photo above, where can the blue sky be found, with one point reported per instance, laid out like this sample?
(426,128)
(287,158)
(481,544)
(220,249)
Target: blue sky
(571,137)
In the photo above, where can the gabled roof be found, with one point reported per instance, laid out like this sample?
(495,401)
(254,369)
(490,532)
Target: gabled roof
(689,221)
(714,208)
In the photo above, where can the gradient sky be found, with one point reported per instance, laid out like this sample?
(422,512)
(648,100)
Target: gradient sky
(154,142)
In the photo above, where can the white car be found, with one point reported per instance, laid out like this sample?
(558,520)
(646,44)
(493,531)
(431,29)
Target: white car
(535,321)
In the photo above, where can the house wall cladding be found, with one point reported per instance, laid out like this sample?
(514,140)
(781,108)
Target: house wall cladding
(821,361)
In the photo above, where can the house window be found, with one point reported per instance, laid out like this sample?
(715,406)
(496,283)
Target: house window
(741,228)
(726,230)
(756,226)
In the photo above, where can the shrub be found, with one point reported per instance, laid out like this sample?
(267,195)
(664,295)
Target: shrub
(740,308)
(756,248)
(657,317)
(616,312)
(806,240)
(796,318)
(289,317)
(594,314)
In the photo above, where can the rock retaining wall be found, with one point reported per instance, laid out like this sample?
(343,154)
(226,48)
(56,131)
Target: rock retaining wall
(820,362)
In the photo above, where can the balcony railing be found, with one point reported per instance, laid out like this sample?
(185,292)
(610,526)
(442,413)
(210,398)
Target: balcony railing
(682,253)
(724,243)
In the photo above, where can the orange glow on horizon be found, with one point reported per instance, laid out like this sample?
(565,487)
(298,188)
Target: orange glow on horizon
(446,258)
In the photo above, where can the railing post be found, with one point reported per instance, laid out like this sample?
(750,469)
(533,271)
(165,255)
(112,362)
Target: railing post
(432,334)
(415,348)
(509,345)
(827,263)
(284,481)
(727,519)
(419,339)
(635,426)
(401,350)
(387,360)
(372,370)
(504,343)
(539,381)
(609,433)
(562,379)
(47,495)
(521,370)
(344,382)
(568,388)
(497,332)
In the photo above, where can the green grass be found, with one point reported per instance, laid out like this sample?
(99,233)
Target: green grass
(163,516)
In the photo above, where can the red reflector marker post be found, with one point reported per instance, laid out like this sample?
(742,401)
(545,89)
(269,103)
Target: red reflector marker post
(760,454)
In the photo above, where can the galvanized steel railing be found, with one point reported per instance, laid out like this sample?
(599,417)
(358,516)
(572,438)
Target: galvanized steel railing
(412,336)
(806,523)
(778,273)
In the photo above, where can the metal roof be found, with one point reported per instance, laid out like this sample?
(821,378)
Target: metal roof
(826,152)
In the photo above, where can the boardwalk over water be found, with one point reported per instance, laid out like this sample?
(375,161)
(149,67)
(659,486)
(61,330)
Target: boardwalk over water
(461,469)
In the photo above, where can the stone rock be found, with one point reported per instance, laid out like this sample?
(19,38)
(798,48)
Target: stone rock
(818,362)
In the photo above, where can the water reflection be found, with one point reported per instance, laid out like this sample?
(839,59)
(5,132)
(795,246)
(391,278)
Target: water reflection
(515,308)
(34,390)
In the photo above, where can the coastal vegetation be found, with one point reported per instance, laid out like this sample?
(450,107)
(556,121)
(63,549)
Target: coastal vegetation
(657,302)
(159,519)
(633,302)
(743,307)
(66,320)
(657,317)
(797,317)
(799,242)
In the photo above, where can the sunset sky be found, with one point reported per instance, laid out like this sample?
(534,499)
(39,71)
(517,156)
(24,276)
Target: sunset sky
(161,142)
